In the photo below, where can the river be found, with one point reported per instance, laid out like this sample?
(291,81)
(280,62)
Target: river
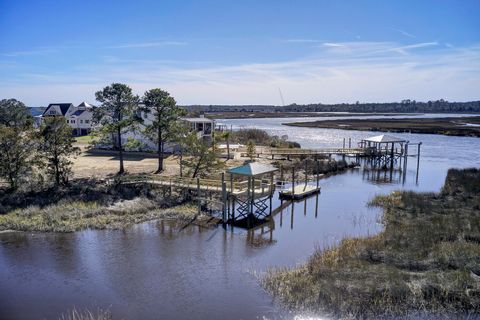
(153,271)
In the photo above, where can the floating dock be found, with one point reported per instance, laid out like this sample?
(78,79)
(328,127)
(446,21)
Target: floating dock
(299,192)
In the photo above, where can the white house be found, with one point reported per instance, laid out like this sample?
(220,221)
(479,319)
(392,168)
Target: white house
(204,127)
(79,117)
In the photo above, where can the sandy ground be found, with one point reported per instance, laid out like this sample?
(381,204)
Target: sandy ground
(104,163)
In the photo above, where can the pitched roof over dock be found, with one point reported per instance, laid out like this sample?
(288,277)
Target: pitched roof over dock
(385,138)
(253,169)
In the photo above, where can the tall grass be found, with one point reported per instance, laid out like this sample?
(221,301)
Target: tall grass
(78,215)
(86,314)
(426,259)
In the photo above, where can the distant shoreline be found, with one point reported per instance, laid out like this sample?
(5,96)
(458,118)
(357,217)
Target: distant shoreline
(257,115)
(465,126)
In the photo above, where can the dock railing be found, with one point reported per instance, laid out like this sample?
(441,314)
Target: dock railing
(204,184)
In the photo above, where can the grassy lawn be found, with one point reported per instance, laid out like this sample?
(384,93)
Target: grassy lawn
(85,139)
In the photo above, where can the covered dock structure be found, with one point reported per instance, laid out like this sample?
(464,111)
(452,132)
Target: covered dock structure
(384,146)
(252,205)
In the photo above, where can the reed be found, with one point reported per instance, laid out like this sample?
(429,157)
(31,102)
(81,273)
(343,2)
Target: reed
(86,314)
(427,259)
(79,215)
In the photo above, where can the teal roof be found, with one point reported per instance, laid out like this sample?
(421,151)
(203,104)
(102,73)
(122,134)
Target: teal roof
(253,169)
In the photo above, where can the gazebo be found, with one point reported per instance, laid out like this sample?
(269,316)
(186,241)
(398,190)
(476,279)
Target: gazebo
(250,202)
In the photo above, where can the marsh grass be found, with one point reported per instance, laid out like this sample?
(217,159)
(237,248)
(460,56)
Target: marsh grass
(427,259)
(75,314)
(78,215)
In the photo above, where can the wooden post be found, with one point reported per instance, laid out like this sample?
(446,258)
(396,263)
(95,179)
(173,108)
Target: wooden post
(181,162)
(281,213)
(281,175)
(306,171)
(349,143)
(343,143)
(293,181)
(418,160)
(291,216)
(253,193)
(224,202)
(224,198)
(198,196)
(318,173)
(271,193)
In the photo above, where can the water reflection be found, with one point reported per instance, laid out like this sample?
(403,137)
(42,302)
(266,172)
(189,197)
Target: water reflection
(394,172)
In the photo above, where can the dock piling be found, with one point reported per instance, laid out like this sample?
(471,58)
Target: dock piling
(198,196)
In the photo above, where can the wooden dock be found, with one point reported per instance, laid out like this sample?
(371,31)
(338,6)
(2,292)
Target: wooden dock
(237,188)
(299,192)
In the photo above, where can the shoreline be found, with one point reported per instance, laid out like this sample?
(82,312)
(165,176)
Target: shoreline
(465,126)
(265,115)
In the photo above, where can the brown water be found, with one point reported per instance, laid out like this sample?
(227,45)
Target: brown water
(153,270)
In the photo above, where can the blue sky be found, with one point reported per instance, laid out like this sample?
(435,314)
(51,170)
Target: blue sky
(241,52)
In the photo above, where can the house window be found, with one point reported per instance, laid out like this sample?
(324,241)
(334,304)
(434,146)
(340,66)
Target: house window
(72,121)
(51,112)
(68,121)
(87,121)
(81,121)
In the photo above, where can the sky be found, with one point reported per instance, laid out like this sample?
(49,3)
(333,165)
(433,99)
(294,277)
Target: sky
(242,52)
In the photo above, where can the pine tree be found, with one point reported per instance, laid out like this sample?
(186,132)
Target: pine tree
(116,114)
(56,148)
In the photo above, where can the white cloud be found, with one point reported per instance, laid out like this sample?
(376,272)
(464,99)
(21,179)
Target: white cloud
(302,41)
(404,49)
(28,52)
(333,45)
(148,44)
(403,32)
(344,72)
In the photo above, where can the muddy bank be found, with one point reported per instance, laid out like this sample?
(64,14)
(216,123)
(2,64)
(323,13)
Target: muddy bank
(468,126)
(426,260)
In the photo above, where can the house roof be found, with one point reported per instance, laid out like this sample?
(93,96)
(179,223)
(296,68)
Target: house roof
(198,120)
(77,113)
(85,104)
(63,107)
(385,138)
(253,169)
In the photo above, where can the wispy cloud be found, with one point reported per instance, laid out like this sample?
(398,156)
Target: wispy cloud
(148,44)
(404,49)
(346,71)
(403,32)
(302,41)
(333,44)
(28,52)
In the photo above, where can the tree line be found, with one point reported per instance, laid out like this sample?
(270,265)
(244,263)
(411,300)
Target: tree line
(406,105)
(26,151)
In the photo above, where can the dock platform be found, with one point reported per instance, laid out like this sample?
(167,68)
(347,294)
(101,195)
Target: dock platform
(299,192)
